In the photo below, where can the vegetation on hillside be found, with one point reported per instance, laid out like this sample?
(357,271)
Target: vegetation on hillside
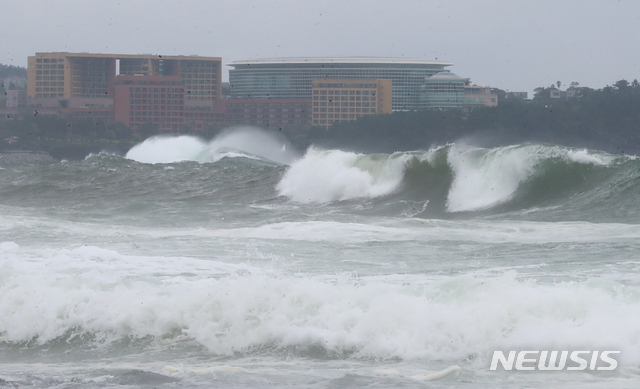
(606,119)
(10,70)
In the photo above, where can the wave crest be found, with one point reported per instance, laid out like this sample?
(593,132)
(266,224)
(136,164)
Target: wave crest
(459,178)
(322,176)
(246,142)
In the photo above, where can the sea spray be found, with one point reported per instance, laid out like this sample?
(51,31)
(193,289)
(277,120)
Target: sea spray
(247,142)
(323,176)
(165,149)
(268,145)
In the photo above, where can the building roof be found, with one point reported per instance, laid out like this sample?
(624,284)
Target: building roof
(339,60)
(128,56)
(446,75)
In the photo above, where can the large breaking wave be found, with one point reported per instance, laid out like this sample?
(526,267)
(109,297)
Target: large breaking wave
(545,182)
(455,179)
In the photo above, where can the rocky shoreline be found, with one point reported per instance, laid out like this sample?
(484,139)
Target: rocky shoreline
(25,158)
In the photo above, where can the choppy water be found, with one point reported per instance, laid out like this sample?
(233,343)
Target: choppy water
(240,263)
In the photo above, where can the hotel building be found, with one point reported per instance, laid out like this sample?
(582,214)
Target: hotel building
(336,100)
(130,88)
(174,92)
(479,96)
(267,112)
(151,99)
(292,78)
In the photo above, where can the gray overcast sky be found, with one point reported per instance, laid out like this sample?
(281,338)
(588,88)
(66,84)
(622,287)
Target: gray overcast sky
(514,45)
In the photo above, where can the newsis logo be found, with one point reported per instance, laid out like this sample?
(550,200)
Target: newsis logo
(555,360)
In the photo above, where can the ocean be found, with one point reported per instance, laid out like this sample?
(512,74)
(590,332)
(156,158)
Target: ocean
(243,263)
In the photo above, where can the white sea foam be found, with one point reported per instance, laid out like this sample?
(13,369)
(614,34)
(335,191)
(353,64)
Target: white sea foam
(234,308)
(317,231)
(585,156)
(426,232)
(322,176)
(432,376)
(163,149)
(484,178)
(247,142)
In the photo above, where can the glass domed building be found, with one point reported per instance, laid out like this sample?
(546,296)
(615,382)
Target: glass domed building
(443,90)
